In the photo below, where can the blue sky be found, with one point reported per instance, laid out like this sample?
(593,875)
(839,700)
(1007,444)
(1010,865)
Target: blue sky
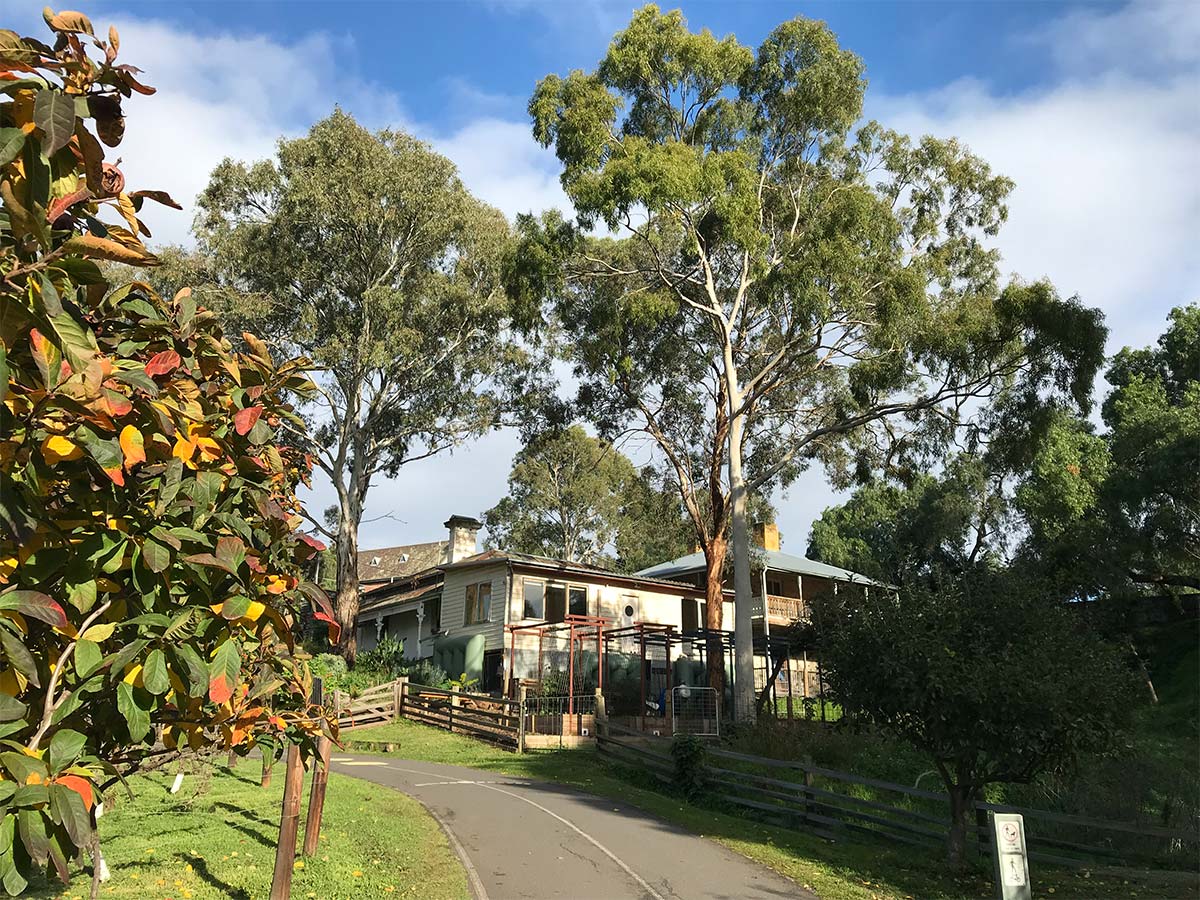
(1094,110)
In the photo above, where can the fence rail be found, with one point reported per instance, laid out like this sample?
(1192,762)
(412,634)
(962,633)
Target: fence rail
(824,801)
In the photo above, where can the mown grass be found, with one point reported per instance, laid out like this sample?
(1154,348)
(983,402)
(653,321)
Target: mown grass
(844,870)
(216,838)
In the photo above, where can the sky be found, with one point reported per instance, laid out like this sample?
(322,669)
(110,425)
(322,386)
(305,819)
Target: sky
(1092,108)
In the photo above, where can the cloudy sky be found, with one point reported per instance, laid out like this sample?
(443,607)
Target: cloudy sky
(1094,110)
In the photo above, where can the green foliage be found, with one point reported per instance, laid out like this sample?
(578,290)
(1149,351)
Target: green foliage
(463,683)
(327,665)
(575,497)
(688,753)
(150,568)
(387,655)
(366,253)
(425,672)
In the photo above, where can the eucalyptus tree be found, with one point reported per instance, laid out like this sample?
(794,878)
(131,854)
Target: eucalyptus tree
(833,278)
(367,254)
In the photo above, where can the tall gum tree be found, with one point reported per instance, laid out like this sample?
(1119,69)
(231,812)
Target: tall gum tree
(836,279)
(365,253)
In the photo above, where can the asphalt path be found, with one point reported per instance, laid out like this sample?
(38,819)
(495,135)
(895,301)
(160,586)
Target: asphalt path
(525,840)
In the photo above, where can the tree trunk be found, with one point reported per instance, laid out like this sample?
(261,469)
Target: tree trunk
(346,603)
(743,627)
(1145,673)
(962,802)
(714,602)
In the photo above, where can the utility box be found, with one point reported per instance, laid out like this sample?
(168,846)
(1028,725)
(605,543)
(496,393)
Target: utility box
(1011,860)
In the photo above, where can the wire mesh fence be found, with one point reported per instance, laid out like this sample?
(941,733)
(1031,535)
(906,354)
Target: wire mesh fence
(695,710)
(559,720)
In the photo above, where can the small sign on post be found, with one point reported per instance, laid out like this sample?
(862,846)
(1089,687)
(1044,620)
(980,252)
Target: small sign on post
(1010,860)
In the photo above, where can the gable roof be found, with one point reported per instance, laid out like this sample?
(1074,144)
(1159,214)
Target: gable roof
(775,559)
(567,567)
(399,562)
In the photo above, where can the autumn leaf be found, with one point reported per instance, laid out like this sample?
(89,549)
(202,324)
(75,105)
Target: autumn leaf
(133,446)
(245,419)
(79,785)
(94,247)
(58,448)
(163,363)
(223,672)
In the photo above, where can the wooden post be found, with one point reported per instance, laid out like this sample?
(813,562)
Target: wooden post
(521,695)
(398,690)
(316,796)
(454,698)
(289,824)
(268,766)
(601,714)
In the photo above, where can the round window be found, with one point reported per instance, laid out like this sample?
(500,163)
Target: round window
(629,611)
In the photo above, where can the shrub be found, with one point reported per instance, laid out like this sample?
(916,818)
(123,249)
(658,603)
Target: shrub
(689,754)
(387,655)
(328,666)
(424,672)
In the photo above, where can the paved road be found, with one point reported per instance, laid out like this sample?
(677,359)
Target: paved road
(530,839)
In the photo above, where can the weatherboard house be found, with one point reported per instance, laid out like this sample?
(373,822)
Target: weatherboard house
(491,614)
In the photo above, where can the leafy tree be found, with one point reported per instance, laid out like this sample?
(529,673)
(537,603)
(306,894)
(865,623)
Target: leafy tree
(652,527)
(824,293)
(576,497)
(150,570)
(366,253)
(986,673)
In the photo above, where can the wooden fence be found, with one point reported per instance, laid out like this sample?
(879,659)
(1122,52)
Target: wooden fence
(477,715)
(830,804)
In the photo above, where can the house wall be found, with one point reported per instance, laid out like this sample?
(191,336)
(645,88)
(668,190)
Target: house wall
(454,601)
(403,627)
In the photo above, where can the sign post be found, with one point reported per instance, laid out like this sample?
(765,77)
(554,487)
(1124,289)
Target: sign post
(1009,857)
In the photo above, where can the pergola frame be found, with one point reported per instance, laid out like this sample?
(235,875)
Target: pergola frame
(578,628)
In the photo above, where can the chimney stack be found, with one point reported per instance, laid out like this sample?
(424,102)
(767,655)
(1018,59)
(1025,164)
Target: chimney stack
(463,531)
(766,535)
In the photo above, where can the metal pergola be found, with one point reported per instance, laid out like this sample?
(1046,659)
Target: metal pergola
(578,628)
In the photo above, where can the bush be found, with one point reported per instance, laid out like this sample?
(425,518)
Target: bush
(424,672)
(387,656)
(689,754)
(328,666)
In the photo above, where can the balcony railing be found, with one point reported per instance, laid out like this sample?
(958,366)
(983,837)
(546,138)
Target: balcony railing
(779,609)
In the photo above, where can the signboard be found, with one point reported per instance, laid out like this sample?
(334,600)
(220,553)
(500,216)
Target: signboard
(1008,851)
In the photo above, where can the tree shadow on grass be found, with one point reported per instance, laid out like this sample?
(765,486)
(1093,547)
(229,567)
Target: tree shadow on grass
(200,867)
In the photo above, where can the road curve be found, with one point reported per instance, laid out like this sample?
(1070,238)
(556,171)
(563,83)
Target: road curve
(527,840)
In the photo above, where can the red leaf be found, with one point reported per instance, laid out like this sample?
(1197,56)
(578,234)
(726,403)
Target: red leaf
(116,475)
(312,542)
(62,204)
(79,785)
(245,419)
(335,630)
(36,605)
(219,689)
(163,363)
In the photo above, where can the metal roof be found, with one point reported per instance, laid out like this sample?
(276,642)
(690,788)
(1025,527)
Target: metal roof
(775,559)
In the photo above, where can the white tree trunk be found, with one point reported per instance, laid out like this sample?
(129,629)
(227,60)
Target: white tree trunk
(743,628)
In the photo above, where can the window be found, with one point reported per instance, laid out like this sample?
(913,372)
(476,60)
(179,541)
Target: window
(577,600)
(688,616)
(774,586)
(535,599)
(556,602)
(479,603)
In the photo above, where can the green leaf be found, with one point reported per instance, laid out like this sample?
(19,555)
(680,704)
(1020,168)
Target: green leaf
(51,302)
(70,812)
(187,660)
(65,747)
(81,271)
(11,142)
(75,341)
(137,720)
(36,605)
(54,113)
(19,656)
(171,479)
(235,607)
(31,826)
(157,557)
(88,657)
(223,671)
(154,673)
(139,379)
(11,709)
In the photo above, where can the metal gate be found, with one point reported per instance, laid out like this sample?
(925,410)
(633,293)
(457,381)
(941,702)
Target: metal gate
(695,710)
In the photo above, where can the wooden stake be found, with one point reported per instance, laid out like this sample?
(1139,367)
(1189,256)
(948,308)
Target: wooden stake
(289,824)
(268,764)
(316,797)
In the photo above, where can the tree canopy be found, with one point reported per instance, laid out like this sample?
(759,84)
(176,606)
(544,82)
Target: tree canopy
(150,566)
(366,253)
(825,288)
(576,497)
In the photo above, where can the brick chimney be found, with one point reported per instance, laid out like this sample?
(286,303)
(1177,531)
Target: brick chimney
(766,535)
(463,531)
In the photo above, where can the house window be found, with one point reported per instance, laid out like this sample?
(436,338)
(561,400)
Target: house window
(577,600)
(556,602)
(535,599)
(688,616)
(774,586)
(479,603)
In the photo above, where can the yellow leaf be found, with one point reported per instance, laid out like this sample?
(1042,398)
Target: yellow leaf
(133,675)
(58,448)
(101,632)
(254,610)
(184,449)
(133,446)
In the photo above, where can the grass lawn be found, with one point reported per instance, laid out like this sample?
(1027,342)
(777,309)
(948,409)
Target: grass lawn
(836,871)
(216,839)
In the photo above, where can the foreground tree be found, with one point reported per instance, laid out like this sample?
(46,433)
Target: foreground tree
(829,291)
(150,570)
(572,496)
(985,672)
(366,253)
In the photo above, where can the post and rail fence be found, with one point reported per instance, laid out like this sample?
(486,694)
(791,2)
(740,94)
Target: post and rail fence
(830,804)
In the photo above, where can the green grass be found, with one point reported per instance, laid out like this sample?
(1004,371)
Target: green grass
(835,871)
(216,839)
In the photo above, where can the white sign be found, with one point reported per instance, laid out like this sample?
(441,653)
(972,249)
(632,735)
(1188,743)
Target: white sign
(1011,862)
